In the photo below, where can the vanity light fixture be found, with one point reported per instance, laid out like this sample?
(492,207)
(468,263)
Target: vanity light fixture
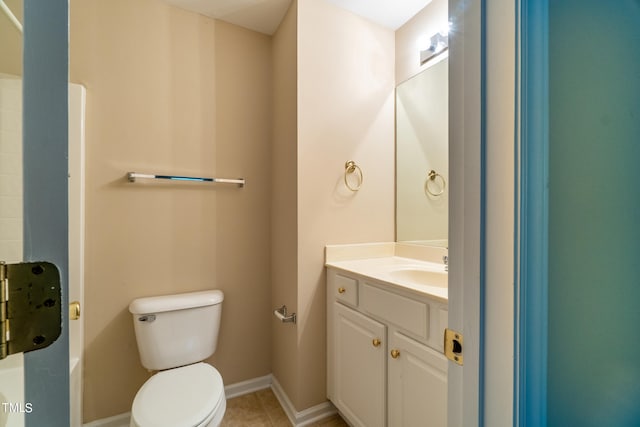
(438,43)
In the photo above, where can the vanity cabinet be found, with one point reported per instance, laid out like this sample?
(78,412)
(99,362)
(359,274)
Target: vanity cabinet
(359,367)
(385,362)
(417,383)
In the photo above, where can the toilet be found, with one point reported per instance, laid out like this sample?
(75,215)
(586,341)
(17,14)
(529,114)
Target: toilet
(175,333)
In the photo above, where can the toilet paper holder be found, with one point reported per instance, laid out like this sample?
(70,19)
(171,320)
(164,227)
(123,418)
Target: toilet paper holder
(281,313)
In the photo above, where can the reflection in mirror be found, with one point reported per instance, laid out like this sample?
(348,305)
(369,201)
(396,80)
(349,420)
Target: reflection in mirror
(422,157)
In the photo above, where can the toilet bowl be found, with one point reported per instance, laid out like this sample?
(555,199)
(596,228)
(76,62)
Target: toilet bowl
(175,333)
(190,396)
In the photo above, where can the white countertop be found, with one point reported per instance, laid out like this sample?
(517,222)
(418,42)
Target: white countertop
(399,272)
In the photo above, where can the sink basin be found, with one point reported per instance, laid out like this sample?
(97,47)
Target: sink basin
(420,276)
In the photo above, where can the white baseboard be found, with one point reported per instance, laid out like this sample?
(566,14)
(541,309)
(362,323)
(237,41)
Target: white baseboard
(121,420)
(298,419)
(305,417)
(248,386)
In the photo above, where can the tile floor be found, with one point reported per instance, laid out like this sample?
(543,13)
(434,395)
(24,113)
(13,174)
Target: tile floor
(262,409)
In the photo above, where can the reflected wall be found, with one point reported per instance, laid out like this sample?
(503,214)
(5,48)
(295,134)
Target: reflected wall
(422,157)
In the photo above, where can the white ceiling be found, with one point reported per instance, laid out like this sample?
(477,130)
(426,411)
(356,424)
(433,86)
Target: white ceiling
(392,14)
(265,16)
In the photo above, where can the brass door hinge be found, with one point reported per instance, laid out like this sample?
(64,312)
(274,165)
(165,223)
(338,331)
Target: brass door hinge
(30,306)
(453,346)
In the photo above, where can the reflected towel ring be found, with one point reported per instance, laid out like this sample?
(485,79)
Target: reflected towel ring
(350,167)
(432,178)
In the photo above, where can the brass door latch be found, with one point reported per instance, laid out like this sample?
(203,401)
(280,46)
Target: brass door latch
(453,346)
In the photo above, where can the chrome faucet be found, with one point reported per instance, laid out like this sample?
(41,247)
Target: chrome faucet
(445,259)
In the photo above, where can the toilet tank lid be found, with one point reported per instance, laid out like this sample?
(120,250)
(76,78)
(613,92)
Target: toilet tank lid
(174,302)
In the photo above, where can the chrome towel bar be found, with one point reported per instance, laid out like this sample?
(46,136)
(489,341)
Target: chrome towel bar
(132,176)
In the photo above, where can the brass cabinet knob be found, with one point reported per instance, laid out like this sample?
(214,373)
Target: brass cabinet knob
(395,353)
(341,290)
(376,342)
(74,310)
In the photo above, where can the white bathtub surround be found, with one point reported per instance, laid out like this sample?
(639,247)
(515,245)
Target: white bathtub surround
(77,102)
(12,374)
(11,368)
(10,168)
(11,245)
(11,371)
(75,392)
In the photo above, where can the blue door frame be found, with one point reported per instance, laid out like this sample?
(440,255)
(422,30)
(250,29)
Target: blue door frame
(45,136)
(533,221)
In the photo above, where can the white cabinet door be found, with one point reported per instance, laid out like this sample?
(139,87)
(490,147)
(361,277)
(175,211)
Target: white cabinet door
(417,384)
(359,372)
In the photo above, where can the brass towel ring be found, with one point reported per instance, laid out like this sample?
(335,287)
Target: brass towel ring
(432,178)
(350,167)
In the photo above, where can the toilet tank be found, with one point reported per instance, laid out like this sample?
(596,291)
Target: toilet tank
(176,330)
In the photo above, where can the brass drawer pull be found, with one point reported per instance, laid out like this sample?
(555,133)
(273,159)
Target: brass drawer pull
(376,342)
(341,290)
(395,353)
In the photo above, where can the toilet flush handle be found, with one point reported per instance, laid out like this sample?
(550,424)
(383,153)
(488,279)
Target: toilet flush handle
(147,318)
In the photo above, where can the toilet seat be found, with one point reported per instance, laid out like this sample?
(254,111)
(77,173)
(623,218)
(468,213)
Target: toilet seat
(188,396)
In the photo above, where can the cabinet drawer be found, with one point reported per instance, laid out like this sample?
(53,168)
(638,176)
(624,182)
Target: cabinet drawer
(345,289)
(407,314)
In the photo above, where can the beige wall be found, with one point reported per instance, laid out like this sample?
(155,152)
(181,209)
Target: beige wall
(171,91)
(333,93)
(174,92)
(284,204)
(345,112)
(428,21)
(11,40)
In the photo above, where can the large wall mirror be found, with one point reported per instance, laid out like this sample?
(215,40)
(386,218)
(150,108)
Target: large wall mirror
(422,157)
